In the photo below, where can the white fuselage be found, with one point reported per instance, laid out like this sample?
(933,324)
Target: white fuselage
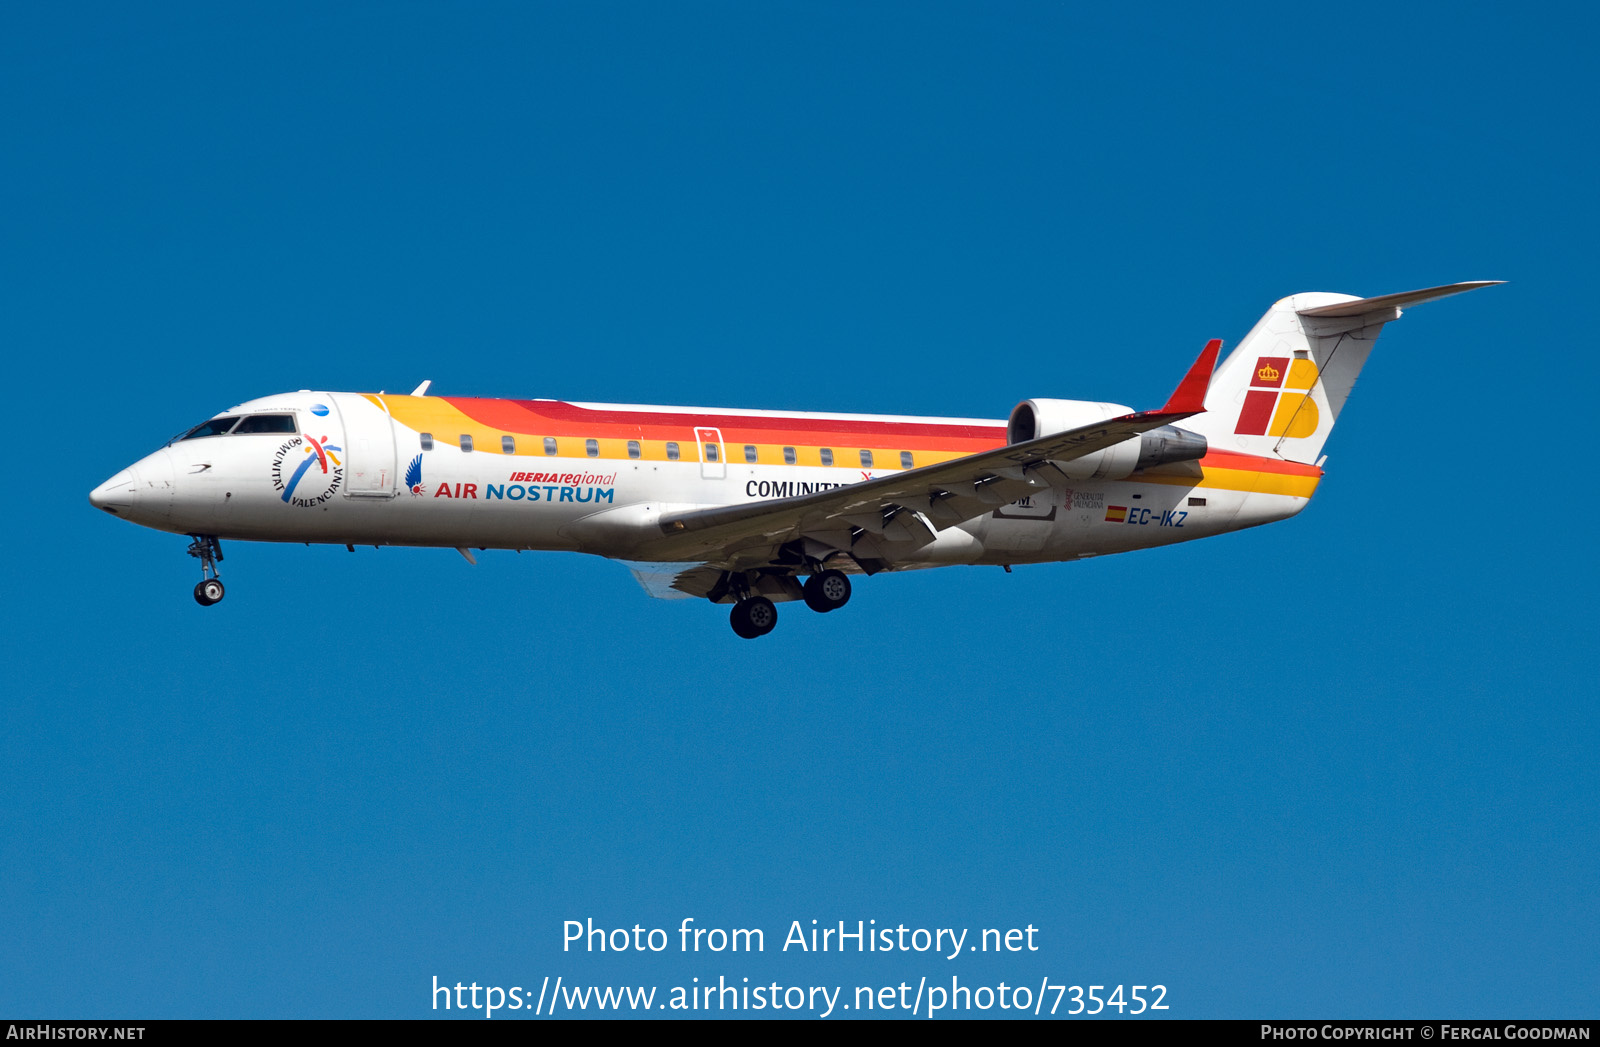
(352,455)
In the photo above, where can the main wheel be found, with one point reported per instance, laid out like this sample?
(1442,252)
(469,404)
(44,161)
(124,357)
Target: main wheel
(753,617)
(827,590)
(208,592)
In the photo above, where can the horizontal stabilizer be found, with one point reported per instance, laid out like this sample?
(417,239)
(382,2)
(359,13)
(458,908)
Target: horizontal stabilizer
(1362,306)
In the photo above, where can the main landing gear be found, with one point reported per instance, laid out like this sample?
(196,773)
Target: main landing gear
(208,551)
(827,591)
(755,616)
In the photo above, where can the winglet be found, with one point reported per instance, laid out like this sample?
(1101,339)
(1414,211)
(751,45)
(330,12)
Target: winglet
(1190,396)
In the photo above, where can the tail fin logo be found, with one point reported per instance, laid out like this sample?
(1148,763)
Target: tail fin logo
(1279,405)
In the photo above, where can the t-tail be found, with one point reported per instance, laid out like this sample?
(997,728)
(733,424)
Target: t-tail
(1280,391)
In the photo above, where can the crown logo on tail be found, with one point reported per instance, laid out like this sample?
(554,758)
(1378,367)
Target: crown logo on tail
(1268,373)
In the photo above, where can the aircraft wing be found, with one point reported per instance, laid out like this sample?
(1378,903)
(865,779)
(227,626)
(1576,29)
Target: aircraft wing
(912,505)
(671,581)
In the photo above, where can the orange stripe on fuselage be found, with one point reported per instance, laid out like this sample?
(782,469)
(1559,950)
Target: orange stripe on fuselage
(1245,473)
(1258,464)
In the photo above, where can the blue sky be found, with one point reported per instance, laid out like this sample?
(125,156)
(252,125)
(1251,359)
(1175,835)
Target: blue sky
(1342,766)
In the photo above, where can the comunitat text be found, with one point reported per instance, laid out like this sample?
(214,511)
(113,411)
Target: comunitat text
(802,936)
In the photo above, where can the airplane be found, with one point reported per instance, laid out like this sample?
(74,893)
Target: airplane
(756,508)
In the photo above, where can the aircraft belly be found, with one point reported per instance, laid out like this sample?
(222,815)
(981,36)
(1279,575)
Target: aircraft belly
(1118,516)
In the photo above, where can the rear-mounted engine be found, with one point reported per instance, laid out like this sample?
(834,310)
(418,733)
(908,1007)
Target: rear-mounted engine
(1169,444)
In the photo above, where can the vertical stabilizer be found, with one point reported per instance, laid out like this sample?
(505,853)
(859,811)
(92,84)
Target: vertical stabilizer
(1279,393)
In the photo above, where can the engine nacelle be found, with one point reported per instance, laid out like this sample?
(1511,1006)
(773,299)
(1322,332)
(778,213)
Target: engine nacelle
(1032,419)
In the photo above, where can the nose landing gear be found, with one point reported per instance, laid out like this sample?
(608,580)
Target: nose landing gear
(208,592)
(208,551)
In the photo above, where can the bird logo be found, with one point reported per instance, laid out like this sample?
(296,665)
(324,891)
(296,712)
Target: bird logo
(414,475)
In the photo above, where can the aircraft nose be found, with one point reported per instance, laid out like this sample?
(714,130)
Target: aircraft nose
(116,494)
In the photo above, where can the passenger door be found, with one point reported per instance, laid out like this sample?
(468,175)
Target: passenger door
(713,453)
(369,446)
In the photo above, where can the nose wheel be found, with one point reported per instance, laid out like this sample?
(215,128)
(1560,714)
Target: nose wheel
(208,551)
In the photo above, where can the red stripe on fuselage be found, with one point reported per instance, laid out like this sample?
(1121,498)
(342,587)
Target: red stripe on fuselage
(557,418)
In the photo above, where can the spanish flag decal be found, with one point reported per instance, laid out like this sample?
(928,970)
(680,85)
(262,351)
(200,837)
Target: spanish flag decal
(1116,514)
(1279,401)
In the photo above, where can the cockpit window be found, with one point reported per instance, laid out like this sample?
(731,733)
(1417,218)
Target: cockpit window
(215,427)
(267,423)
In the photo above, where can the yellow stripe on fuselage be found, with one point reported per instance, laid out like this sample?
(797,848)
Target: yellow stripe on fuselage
(1245,481)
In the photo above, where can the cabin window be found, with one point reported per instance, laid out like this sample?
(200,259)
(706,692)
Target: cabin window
(788,456)
(268,423)
(672,451)
(508,444)
(466,441)
(711,452)
(866,459)
(215,427)
(750,453)
(427,441)
(827,456)
(905,459)
(592,448)
(633,449)
(550,446)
